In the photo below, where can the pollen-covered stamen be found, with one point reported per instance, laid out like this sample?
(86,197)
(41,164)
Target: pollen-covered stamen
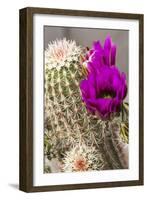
(107,94)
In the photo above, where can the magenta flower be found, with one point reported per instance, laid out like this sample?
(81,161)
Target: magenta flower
(99,56)
(105,87)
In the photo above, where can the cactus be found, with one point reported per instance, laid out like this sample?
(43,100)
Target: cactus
(66,120)
(116,148)
(82,158)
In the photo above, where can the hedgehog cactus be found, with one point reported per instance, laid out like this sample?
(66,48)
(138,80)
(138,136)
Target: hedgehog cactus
(82,158)
(67,121)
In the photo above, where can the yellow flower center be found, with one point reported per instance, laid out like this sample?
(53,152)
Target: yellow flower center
(107,96)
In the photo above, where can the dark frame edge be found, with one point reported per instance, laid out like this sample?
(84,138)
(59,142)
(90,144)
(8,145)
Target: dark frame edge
(86,186)
(141,99)
(25,99)
(85,13)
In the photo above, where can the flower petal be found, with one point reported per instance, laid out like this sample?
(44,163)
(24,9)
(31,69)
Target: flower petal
(84,89)
(102,106)
(113,54)
(107,44)
(97,46)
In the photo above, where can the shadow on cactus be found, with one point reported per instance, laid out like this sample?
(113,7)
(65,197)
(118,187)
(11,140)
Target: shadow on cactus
(86,118)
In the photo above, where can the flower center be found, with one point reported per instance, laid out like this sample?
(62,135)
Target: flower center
(80,164)
(107,94)
(59,54)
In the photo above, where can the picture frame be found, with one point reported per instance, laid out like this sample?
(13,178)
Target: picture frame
(32,20)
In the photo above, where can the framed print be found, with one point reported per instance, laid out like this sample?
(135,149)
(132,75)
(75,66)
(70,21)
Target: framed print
(81,99)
